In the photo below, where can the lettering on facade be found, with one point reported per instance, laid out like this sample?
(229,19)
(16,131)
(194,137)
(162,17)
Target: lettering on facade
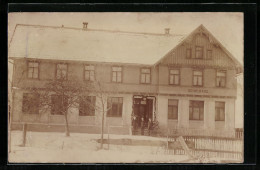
(198,90)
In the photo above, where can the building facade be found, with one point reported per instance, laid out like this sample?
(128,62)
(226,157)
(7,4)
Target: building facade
(186,83)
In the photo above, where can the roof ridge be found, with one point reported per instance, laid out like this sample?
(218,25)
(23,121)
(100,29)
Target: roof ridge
(101,30)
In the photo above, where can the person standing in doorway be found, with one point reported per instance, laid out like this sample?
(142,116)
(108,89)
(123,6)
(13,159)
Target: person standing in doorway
(142,126)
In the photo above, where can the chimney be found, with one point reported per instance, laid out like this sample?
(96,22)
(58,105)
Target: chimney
(167,31)
(85,25)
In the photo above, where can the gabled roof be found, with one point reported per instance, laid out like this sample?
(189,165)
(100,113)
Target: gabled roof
(60,43)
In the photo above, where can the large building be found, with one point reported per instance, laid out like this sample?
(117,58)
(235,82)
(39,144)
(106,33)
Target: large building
(185,82)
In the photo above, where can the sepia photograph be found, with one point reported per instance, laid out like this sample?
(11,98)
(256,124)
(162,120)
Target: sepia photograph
(125,87)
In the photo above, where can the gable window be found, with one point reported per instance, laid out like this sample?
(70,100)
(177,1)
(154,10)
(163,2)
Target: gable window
(221,79)
(188,53)
(59,104)
(209,54)
(196,110)
(199,52)
(33,70)
(62,71)
(30,103)
(174,76)
(145,75)
(87,106)
(89,73)
(173,109)
(115,106)
(197,77)
(117,74)
(219,111)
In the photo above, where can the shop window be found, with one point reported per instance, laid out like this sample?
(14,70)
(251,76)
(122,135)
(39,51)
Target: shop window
(31,103)
(219,111)
(196,110)
(87,106)
(173,109)
(115,106)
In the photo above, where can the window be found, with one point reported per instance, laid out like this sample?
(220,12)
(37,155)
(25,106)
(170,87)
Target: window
(188,53)
(221,79)
(219,111)
(117,74)
(199,52)
(172,109)
(31,103)
(89,73)
(87,106)
(62,71)
(115,106)
(209,54)
(196,110)
(59,104)
(197,78)
(145,75)
(174,76)
(33,70)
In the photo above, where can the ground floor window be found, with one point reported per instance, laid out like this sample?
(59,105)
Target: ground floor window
(114,106)
(87,106)
(59,104)
(31,103)
(172,109)
(220,111)
(196,110)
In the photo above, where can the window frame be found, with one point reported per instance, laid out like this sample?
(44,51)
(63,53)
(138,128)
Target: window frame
(189,50)
(176,106)
(56,71)
(192,112)
(173,84)
(225,78)
(202,52)
(116,74)
(150,80)
(207,55)
(202,78)
(26,109)
(224,111)
(89,112)
(94,71)
(110,111)
(28,67)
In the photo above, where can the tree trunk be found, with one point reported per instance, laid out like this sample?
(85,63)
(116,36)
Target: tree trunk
(67,125)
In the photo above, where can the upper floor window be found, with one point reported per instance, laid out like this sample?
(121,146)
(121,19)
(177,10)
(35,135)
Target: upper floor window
(62,71)
(89,73)
(197,77)
(221,79)
(172,109)
(59,104)
(87,106)
(209,54)
(196,110)
(174,78)
(199,52)
(219,111)
(33,69)
(31,103)
(115,106)
(188,53)
(145,75)
(117,74)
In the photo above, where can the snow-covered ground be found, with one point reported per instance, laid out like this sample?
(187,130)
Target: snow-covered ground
(53,147)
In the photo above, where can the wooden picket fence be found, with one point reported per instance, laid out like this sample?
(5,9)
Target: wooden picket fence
(230,148)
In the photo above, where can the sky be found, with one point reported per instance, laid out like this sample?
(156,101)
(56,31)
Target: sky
(227,27)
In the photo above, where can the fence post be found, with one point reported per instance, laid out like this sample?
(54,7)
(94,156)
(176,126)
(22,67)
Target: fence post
(24,134)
